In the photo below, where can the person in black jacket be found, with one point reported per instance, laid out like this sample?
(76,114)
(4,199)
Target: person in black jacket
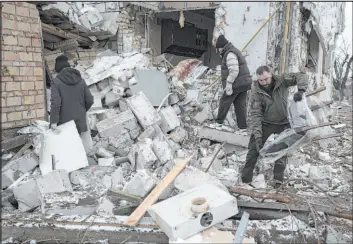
(70,97)
(236,81)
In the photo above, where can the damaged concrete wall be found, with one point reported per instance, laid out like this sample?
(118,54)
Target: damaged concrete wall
(22,84)
(323,22)
(240,22)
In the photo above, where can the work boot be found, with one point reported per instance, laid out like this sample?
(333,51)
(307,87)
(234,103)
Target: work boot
(216,126)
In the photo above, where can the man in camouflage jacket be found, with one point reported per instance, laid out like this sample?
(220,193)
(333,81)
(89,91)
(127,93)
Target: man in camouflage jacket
(268,114)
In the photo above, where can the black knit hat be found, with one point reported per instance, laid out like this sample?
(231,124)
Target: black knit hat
(61,62)
(221,41)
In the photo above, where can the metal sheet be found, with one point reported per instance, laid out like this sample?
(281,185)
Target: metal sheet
(153,83)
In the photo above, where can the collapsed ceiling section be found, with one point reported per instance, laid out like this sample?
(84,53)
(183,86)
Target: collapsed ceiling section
(86,22)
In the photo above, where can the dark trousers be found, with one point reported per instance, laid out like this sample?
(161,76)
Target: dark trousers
(253,154)
(239,102)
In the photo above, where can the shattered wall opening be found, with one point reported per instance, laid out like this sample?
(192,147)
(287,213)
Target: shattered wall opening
(193,40)
(313,52)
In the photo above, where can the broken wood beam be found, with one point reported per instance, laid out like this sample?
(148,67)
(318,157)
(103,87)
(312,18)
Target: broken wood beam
(222,136)
(320,89)
(318,138)
(296,208)
(64,34)
(140,211)
(22,150)
(324,104)
(262,195)
(124,196)
(14,142)
(306,128)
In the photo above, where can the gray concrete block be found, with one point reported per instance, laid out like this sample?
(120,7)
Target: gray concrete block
(145,155)
(143,110)
(106,162)
(118,179)
(123,105)
(14,169)
(115,125)
(191,177)
(112,99)
(173,99)
(55,181)
(141,184)
(105,207)
(68,203)
(27,195)
(169,118)
(222,136)
(122,142)
(162,149)
(178,135)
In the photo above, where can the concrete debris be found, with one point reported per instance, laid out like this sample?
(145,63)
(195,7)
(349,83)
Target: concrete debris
(191,177)
(16,168)
(143,110)
(106,161)
(27,195)
(141,184)
(259,181)
(55,181)
(162,149)
(152,83)
(178,135)
(115,125)
(105,207)
(170,119)
(145,155)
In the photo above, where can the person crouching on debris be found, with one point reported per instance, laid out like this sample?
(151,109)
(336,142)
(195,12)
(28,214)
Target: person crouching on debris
(236,81)
(268,115)
(70,97)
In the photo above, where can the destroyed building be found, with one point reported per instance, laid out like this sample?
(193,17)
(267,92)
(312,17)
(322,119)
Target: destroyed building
(151,67)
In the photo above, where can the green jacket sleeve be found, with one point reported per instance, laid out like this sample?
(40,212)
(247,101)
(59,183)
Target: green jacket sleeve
(292,79)
(256,115)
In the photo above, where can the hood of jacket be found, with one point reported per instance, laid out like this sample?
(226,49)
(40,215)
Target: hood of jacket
(70,76)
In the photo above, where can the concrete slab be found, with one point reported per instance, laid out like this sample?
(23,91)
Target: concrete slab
(55,181)
(143,110)
(203,115)
(178,135)
(66,147)
(193,211)
(106,162)
(145,155)
(222,136)
(141,184)
(191,177)
(169,118)
(27,195)
(114,126)
(14,169)
(153,83)
(162,149)
(68,203)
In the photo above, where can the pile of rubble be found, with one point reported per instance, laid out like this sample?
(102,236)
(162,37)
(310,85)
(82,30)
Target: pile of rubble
(148,116)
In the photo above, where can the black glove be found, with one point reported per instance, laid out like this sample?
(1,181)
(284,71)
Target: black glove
(298,96)
(259,144)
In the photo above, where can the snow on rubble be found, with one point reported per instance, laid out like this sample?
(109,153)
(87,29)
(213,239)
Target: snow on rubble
(137,141)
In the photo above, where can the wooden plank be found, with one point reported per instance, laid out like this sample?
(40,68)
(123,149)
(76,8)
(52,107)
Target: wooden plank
(22,150)
(222,136)
(14,142)
(124,196)
(135,217)
(320,89)
(64,34)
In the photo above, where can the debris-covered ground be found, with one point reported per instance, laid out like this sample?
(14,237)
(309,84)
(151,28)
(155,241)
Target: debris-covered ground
(147,117)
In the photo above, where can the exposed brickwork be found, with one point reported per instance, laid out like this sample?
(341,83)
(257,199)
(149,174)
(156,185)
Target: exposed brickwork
(22,84)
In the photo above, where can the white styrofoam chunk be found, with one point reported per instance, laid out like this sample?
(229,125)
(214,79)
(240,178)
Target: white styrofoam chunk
(66,147)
